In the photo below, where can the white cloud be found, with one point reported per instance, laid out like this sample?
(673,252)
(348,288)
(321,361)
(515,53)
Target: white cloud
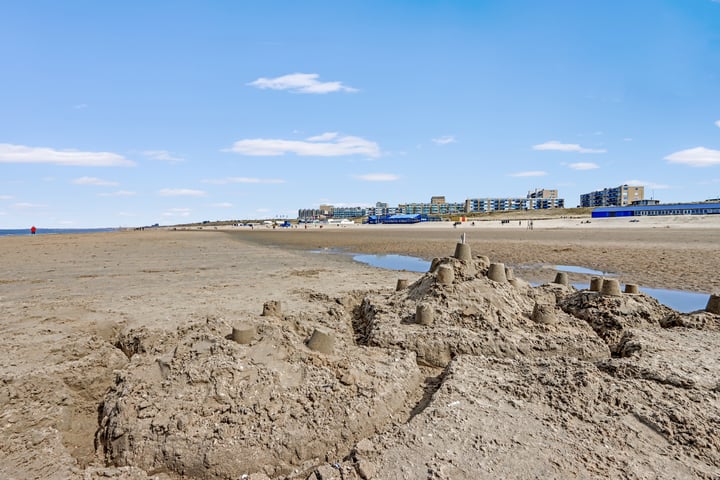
(225,181)
(339,146)
(162,155)
(696,157)
(444,140)
(94,181)
(119,193)
(80,106)
(647,185)
(222,205)
(10,153)
(5,197)
(717,124)
(177,212)
(583,166)
(566,147)
(181,192)
(378,177)
(324,137)
(301,83)
(533,173)
(627,139)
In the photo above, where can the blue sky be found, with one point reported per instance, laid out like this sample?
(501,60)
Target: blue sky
(133,113)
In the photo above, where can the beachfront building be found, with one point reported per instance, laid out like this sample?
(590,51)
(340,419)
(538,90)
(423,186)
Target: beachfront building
(309,215)
(542,193)
(699,208)
(382,209)
(613,197)
(486,205)
(431,208)
(349,212)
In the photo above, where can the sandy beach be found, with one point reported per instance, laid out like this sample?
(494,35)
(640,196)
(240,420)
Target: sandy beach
(121,355)
(672,252)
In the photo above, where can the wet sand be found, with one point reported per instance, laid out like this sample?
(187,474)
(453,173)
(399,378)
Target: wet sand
(668,254)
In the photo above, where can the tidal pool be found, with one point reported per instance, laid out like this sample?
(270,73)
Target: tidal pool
(394,262)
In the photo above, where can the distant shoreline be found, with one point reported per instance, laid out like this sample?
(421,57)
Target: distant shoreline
(13,232)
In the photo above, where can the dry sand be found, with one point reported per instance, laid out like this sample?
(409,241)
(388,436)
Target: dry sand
(116,361)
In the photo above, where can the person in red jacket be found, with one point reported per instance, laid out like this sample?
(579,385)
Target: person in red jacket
(33,230)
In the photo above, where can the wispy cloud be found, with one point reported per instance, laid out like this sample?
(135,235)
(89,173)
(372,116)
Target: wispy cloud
(119,193)
(10,153)
(80,106)
(554,145)
(717,124)
(94,181)
(583,166)
(301,83)
(222,205)
(28,205)
(181,192)
(225,181)
(696,157)
(532,173)
(177,212)
(650,185)
(325,145)
(162,155)
(627,139)
(378,177)
(6,197)
(444,140)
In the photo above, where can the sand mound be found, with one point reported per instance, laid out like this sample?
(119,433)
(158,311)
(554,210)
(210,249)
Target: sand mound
(465,312)
(611,315)
(202,405)
(684,358)
(549,418)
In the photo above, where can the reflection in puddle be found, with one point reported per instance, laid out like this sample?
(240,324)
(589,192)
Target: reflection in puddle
(581,270)
(394,262)
(678,300)
(684,302)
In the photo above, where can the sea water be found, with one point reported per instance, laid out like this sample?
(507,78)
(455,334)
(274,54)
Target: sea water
(54,231)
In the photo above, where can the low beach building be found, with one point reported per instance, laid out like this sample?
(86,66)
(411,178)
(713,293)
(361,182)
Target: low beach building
(700,208)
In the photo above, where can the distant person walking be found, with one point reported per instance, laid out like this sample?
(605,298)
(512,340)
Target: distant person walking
(33,230)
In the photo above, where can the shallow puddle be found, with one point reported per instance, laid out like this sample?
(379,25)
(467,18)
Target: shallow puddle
(581,270)
(394,262)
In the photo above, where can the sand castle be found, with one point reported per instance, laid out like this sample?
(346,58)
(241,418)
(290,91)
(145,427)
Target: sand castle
(283,396)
